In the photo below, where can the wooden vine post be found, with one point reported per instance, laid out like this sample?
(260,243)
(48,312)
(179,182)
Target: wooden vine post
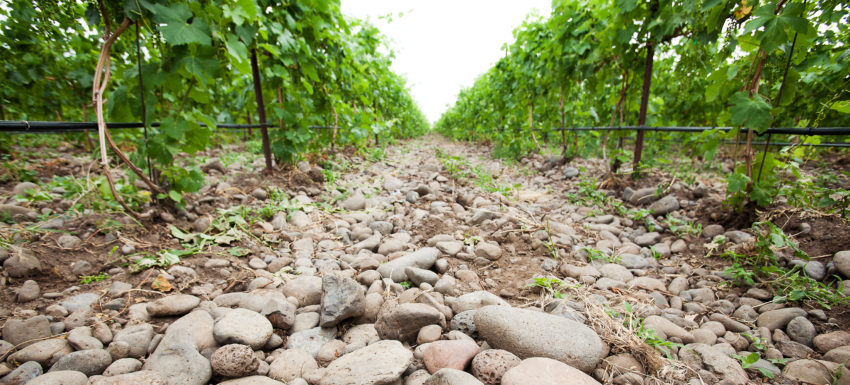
(644,102)
(261,110)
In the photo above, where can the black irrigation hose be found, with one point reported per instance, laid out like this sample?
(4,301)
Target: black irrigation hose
(42,127)
(808,131)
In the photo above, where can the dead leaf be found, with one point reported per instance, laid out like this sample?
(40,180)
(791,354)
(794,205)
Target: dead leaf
(743,10)
(161,284)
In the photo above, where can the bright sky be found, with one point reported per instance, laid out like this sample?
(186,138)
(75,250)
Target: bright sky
(441,46)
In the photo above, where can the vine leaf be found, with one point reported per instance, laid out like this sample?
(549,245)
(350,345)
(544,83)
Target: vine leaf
(176,27)
(752,112)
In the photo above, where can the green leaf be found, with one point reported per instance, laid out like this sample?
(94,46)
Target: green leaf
(92,14)
(175,195)
(752,112)
(737,183)
(238,53)
(841,106)
(175,27)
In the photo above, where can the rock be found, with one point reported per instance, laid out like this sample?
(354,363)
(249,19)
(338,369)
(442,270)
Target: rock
(330,351)
(22,374)
(299,219)
(355,202)
(570,172)
(718,361)
(260,194)
(178,360)
(68,241)
(841,260)
(642,196)
(454,354)
(147,377)
(45,352)
(801,330)
(402,322)
(234,360)
(311,340)
(173,305)
(253,380)
(667,328)
(243,326)
(122,366)
(61,377)
(828,341)
(342,298)
(477,300)
(738,237)
(490,365)
(488,250)
(137,338)
(17,213)
(450,376)
(418,276)
(80,338)
(839,355)
(423,258)
(90,362)
(545,371)
(665,205)
(292,364)
(533,334)
(23,187)
(27,292)
(777,319)
(380,363)
(465,322)
(616,272)
(21,265)
(807,372)
(428,334)
(450,248)
(306,289)
(202,224)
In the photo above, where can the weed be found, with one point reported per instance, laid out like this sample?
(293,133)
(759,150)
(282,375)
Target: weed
(405,284)
(682,228)
(636,325)
(549,285)
(89,279)
(760,265)
(460,168)
(162,259)
(593,254)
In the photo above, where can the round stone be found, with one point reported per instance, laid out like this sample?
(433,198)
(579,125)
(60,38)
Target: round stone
(234,360)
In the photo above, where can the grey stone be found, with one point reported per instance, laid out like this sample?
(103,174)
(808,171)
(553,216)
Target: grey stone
(423,258)
(306,289)
(642,196)
(418,276)
(570,172)
(173,305)
(533,334)
(488,250)
(27,292)
(62,377)
(179,361)
(841,260)
(17,331)
(777,319)
(381,363)
(355,202)
(234,360)
(137,338)
(311,340)
(147,377)
(122,366)
(448,376)
(402,322)
(81,339)
(22,374)
(718,361)
(667,328)
(256,380)
(243,326)
(90,362)
(45,352)
(665,205)
(342,298)
(21,264)
(801,330)
(80,301)
(292,364)
(17,213)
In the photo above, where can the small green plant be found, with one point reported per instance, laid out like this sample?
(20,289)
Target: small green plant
(405,284)
(749,360)
(655,254)
(162,259)
(593,254)
(89,279)
(682,228)
(636,325)
(550,285)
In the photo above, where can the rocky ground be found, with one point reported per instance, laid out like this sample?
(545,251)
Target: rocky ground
(406,270)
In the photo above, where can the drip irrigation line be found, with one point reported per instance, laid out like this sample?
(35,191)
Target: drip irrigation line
(807,131)
(39,127)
